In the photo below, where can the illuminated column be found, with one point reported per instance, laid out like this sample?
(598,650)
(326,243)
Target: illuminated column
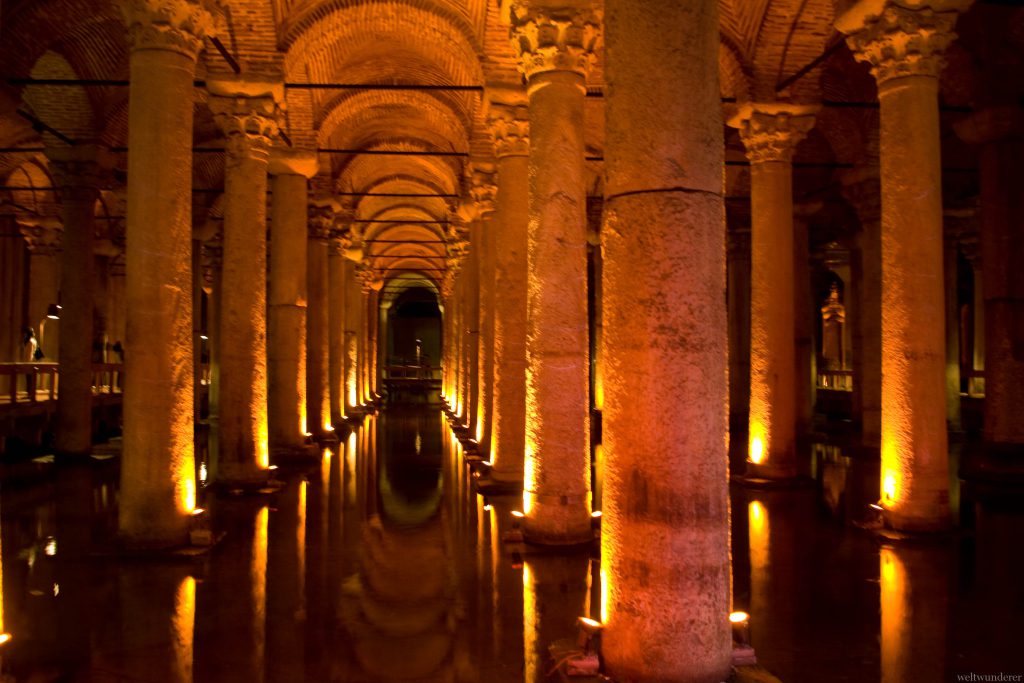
(483,192)
(353,305)
(471,329)
(803,319)
(157,466)
(336,268)
(970,245)
(771,133)
(510,127)
(665,529)
(76,175)
(286,309)
(738,272)
(904,47)
(556,53)
(318,407)
(246,112)
(213,253)
(862,189)
(43,237)
(1000,133)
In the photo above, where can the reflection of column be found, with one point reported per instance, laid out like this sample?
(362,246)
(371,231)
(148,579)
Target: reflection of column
(286,308)
(157,623)
(862,189)
(904,47)
(483,193)
(914,586)
(318,407)
(738,269)
(666,518)
(157,467)
(285,589)
(245,111)
(554,596)
(43,238)
(771,133)
(510,126)
(76,175)
(1000,134)
(556,52)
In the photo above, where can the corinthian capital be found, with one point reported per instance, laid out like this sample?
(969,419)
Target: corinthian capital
(554,40)
(901,37)
(771,132)
(246,111)
(510,128)
(321,214)
(175,25)
(42,234)
(483,190)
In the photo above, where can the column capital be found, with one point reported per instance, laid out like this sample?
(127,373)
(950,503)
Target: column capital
(771,131)
(509,124)
(43,234)
(173,25)
(901,37)
(79,172)
(548,39)
(991,124)
(347,236)
(368,278)
(288,161)
(863,189)
(483,191)
(246,111)
(321,212)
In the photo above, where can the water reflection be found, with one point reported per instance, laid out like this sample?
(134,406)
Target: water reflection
(381,563)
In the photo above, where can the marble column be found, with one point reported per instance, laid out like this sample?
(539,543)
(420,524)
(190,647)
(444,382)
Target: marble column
(510,127)
(318,406)
(803,320)
(999,131)
(43,236)
(904,42)
(287,300)
(471,331)
(556,50)
(665,530)
(950,267)
(862,189)
(738,272)
(336,267)
(483,192)
(246,112)
(76,172)
(158,485)
(771,132)
(353,306)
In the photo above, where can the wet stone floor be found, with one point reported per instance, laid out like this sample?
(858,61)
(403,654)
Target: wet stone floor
(383,565)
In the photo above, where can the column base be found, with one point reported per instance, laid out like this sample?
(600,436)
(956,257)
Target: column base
(769,473)
(245,483)
(557,520)
(295,455)
(749,480)
(999,464)
(489,486)
(896,526)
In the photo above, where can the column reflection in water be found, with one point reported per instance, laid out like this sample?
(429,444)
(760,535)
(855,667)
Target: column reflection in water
(399,609)
(285,606)
(555,593)
(231,620)
(914,585)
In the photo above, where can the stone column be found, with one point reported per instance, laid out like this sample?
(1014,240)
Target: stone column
(949,265)
(556,53)
(803,319)
(286,307)
(510,127)
(43,237)
(970,246)
(471,331)
(76,175)
(246,112)
(483,193)
(213,254)
(665,529)
(158,485)
(771,133)
(1000,133)
(863,190)
(353,306)
(904,42)
(738,272)
(318,406)
(336,327)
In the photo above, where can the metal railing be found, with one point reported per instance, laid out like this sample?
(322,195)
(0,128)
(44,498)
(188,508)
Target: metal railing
(28,383)
(408,371)
(835,380)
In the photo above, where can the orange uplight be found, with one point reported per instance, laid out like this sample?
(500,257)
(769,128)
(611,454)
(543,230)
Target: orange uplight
(5,638)
(188,491)
(756,450)
(889,486)
(739,617)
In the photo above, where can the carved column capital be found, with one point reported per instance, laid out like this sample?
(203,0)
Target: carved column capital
(321,213)
(288,161)
(901,37)
(483,190)
(174,25)
(554,40)
(368,278)
(771,131)
(246,111)
(509,125)
(42,234)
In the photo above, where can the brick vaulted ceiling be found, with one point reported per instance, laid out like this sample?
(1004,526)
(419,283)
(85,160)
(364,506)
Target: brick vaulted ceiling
(446,42)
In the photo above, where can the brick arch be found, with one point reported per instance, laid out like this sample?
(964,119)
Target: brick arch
(792,34)
(67,109)
(31,173)
(364,171)
(435,117)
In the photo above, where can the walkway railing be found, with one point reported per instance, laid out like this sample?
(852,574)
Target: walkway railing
(412,372)
(835,380)
(28,383)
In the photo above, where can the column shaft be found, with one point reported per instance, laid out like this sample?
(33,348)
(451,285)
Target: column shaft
(318,420)
(336,334)
(556,478)
(665,530)
(485,350)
